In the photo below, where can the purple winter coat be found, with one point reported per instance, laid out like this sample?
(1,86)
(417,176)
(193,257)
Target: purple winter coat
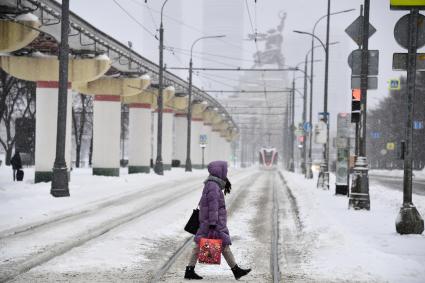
(212,208)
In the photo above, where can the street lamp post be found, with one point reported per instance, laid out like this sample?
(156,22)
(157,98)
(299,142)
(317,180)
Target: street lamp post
(188,166)
(159,168)
(60,171)
(309,173)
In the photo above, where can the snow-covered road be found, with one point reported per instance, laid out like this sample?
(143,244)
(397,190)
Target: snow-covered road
(129,231)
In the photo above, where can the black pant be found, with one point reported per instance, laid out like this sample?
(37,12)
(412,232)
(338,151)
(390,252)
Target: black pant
(14,174)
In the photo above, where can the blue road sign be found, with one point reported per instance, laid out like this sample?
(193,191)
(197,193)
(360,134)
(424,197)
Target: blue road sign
(376,135)
(418,125)
(307,127)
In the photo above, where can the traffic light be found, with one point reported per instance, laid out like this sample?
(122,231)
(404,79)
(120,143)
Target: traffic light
(355,105)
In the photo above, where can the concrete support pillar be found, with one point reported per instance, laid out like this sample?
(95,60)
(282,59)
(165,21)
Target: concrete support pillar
(206,130)
(195,148)
(46,127)
(140,138)
(214,151)
(167,137)
(106,135)
(180,138)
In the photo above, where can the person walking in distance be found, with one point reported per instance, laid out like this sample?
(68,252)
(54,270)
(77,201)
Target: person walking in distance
(16,163)
(213,219)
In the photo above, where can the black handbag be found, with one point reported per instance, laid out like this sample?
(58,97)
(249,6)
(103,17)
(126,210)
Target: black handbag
(192,225)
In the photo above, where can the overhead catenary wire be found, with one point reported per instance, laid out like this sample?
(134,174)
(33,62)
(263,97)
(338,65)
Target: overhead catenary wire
(135,20)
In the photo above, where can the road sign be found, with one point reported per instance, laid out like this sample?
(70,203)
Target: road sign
(355,62)
(355,30)
(320,132)
(299,132)
(400,62)
(401,31)
(394,84)
(390,146)
(203,139)
(418,125)
(372,82)
(407,4)
(376,135)
(307,127)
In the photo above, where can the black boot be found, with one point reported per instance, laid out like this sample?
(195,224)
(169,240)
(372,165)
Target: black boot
(190,273)
(239,272)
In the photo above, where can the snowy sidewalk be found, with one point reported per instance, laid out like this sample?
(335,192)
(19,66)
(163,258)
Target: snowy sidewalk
(24,202)
(345,245)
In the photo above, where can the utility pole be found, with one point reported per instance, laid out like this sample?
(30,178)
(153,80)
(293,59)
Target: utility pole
(409,221)
(292,128)
(304,149)
(159,168)
(188,165)
(359,197)
(60,171)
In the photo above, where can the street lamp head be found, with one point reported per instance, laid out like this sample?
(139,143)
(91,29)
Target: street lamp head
(349,10)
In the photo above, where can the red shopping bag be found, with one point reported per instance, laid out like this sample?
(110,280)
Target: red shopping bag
(210,251)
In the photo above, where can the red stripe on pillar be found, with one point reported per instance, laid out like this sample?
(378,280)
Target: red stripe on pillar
(113,98)
(165,111)
(139,105)
(197,119)
(180,115)
(49,84)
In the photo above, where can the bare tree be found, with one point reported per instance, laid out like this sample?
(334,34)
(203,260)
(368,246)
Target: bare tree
(17,100)
(81,119)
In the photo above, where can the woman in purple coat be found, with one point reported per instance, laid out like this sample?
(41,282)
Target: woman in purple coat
(213,219)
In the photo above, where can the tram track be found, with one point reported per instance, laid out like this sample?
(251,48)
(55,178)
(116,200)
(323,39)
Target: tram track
(91,207)
(274,184)
(188,241)
(25,262)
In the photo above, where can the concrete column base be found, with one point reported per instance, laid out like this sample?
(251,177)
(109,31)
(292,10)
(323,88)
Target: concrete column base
(46,176)
(41,176)
(113,172)
(138,169)
(409,221)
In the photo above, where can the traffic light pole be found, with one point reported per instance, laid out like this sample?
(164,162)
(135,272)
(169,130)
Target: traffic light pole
(409,221)
(359,197)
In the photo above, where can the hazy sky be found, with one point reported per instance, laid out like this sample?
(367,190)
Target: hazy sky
(184,21)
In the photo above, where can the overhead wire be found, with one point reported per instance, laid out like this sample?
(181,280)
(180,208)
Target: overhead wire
(238,47)
(144,27)
(135,20)
(254,31)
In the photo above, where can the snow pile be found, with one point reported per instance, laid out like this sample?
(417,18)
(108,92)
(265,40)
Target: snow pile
(357,245)
(418,175)
(27,18)
(102,57)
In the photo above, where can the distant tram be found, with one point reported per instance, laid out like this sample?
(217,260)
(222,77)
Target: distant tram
(268,158)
